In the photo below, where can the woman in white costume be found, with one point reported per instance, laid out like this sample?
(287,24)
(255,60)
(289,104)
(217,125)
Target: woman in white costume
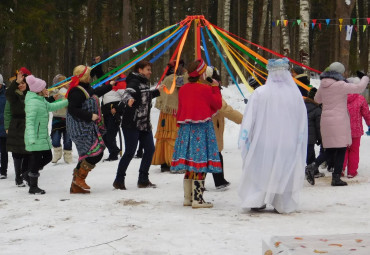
(273,140)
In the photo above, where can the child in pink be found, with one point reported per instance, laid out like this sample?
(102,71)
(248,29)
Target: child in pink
(358,109)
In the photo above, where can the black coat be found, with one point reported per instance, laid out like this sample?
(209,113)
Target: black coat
(304,79)
(15,138)
(314,116)
(137,116)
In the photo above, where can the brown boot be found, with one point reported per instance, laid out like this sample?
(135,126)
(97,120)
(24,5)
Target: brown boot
(76,189)
(81,174)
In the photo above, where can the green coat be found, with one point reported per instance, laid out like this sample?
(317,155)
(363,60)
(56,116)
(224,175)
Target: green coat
(37,111)
(15,119)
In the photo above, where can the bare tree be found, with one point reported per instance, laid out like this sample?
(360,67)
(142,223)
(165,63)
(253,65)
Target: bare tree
(249,27)
(263,22)
(276,38)
(284,30)
(226,26)
(304,32)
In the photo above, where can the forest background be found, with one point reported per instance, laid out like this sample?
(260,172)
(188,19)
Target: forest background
(51,37)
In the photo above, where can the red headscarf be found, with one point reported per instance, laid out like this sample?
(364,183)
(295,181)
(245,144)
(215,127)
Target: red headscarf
(75,80)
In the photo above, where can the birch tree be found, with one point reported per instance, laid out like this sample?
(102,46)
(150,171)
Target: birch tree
(284,30)
(226,26)
(249,28)
(304,32)
(263,23)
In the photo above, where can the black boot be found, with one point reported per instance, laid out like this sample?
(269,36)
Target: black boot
(34,189)
(310,173)
(165,168)
(119,185)
(336,181)
(18,172)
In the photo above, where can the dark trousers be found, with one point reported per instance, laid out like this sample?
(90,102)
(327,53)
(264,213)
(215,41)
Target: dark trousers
(219,178)
(38,160)
(336,156)
(21,163)
(110,137)
(310,154)
(132,137)
(4,156)
(91,160)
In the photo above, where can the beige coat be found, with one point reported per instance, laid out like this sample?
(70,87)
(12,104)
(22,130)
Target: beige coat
(226,111)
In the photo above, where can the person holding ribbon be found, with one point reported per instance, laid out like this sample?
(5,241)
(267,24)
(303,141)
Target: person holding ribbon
(85,125)
(36,134)
(273,140)
(136,126)
(196,150)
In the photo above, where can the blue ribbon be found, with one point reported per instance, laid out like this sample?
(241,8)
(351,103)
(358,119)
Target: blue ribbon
(205,47)
(137,60)
(224,61)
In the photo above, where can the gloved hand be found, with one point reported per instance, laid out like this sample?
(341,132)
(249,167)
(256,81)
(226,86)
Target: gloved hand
(360,74)
(368,131)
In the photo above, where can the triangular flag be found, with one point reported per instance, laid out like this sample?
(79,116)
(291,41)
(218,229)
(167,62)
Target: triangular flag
(363,28)
(327,22)
(340,21)
(356,28)
(368,21)
(354,20)
(273,23)
(349,29)
(314,22)
(277,22)
(340,27)
(299,21)
(293,24)
(285,22)
(313,25)
(320,26)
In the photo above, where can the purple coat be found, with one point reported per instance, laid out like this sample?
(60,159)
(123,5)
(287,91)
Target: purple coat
(335,122)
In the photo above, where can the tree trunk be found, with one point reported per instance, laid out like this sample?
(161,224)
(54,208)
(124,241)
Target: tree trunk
(226,26)
(9,48)
(276,43)
(261,35)
(284,29)
(166,23)
(343,10)
(249,28)
(304,33)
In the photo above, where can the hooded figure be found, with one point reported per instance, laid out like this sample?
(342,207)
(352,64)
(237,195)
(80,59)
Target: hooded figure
(273,140)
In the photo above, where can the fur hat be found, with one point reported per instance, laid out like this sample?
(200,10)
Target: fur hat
(35,84)
(337,67)
(298,70)
(1,80)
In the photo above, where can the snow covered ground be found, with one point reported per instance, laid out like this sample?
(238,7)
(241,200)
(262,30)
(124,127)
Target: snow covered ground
(153,221)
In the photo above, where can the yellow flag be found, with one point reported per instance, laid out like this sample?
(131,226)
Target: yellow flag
(341,21)
(364,28)
(285,22)
(340,27)
(277,22)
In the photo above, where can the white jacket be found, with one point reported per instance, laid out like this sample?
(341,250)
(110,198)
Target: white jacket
(113,96)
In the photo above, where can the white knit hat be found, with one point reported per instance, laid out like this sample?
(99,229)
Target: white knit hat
(337,67)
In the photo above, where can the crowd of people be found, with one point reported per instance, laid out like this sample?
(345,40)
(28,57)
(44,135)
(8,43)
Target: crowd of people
(281,126)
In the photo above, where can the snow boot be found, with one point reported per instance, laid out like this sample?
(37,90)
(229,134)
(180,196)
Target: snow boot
(198,189)
(336,181)
(34,189)
(81,174)
(57,154)
(74,188)
(18,172)
(310,173)
(68,156)
(118,185)
(187,192)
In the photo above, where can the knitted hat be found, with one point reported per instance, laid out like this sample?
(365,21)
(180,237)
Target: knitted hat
(25,71)
(298,70)
(312,93)
(336,67)
(201,68)
(35,84)
(1,80)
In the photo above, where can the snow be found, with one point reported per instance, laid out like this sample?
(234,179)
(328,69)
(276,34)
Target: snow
(154,221)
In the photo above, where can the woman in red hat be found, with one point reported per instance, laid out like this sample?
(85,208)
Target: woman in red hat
(196,150)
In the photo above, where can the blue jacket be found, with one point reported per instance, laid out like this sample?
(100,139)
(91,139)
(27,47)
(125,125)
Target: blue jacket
(2,107)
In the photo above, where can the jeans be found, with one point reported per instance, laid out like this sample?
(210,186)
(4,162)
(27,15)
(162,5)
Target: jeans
(38,160)
(4,156)
(132,137)
(56,135)
(110,137)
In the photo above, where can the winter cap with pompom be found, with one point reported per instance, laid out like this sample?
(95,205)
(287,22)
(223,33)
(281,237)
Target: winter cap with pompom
(35,84)
(337,67)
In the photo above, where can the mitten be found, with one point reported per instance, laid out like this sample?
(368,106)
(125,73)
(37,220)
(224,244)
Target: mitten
(360,74)
(368,131)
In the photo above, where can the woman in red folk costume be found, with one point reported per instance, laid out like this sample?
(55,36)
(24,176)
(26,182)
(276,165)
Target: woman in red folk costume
(196,149)
(85,125)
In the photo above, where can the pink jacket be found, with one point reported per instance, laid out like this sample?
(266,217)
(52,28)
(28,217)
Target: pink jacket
(358,109)
(335,123)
